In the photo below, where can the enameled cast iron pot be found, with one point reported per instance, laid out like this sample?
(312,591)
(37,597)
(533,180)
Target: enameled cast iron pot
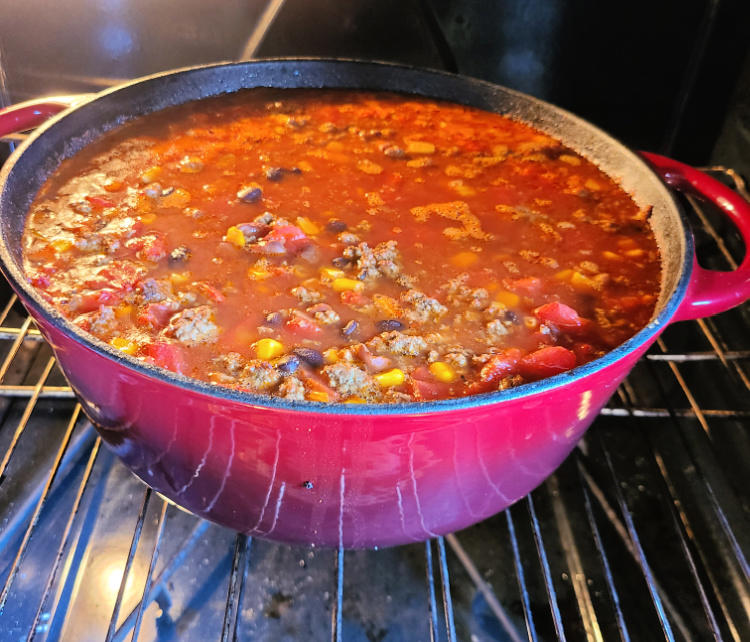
(356,475)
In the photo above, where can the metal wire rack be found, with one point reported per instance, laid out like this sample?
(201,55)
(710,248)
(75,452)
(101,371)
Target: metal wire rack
(641,534)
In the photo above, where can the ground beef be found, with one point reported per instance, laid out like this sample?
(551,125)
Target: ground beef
(496,330)
(231,363)
(259,375)
(193,326)
(347,238)
(155,290)
(350,381)
(324,313)
(421,308)
(292,388)
(382,260)
(396,342)
(458,359)
(306,296)
(460,295)
(106,323)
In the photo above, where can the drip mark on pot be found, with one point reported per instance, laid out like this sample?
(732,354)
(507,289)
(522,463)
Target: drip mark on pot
(282,490)
(414,485)
(270,483)
(203,459)
(342,487)
(227,470)
(402,516)
(483,468)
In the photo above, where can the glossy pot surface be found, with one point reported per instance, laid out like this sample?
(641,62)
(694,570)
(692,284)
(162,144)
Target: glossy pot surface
(355,475)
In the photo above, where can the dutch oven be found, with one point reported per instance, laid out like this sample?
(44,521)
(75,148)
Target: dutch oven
(351,475)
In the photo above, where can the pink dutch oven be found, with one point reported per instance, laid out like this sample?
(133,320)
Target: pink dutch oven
(354,475)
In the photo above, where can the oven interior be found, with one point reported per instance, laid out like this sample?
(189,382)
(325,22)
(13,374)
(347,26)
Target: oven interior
(641,534)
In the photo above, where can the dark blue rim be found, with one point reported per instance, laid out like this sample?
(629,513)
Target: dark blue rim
(41,308)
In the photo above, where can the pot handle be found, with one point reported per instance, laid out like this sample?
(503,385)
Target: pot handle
(709,291)
(32,113)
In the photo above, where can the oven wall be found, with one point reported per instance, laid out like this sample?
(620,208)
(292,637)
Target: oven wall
(661,76)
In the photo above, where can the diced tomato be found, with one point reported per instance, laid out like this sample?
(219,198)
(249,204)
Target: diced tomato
(99,201)
(41,281)
(546,362)
(155,315)
(291,238)
(559,314)
(353,298)
(124,275)
(500,365)
(211,292)
(315,383)
(167,355)
(302,325)
(529,285)
(154,249)
(90,301)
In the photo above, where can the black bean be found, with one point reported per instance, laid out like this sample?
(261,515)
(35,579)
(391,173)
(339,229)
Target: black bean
(307,484)
(310,356)
(275,173)
(335,225)
(341,262)
(294,170)
(287,365)
(387,325)
(167,191)
(273,319)
(250,194)
(179,255)
(349,328)
(512,316)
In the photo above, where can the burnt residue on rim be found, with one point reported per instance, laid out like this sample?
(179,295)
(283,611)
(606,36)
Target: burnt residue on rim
(73,129)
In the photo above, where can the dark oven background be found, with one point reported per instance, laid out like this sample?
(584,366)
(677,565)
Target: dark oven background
(642,534)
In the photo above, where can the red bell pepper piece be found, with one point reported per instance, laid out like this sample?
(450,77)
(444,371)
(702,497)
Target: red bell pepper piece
(99,201)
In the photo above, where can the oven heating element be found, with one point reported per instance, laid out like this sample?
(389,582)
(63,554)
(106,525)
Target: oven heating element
(641,534)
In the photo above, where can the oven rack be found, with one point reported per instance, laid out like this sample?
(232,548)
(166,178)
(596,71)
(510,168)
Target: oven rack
(641,534)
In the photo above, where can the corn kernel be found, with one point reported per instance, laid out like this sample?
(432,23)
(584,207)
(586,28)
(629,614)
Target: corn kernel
(331,355)
(612,256)
(592,185)
(128,347)
(268,349)
(151,174)
(317,395)
(443,371)
(328,273)
(112,185)
(420,147)
(634,254)
(508,299)
(307,226)
(343,285)
(148,218)
(368,167)
(390,378)
(61,245)
(235,236)
(464,259)
(564,275)
(123,311)
(354,400)
(582,282)
(180,278)
(258,274)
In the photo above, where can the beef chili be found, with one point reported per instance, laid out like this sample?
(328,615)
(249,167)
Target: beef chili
(339,246)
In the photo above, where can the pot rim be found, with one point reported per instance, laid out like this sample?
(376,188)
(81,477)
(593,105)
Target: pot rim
(40,307)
